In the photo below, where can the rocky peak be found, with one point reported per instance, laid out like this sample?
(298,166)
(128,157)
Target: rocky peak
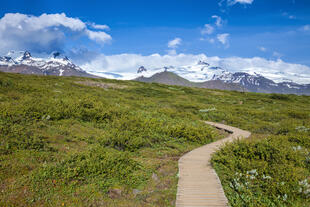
(6,59)
(201,62)
(216,68)
(141,69)
(168,67)
(26,55)
(56,54)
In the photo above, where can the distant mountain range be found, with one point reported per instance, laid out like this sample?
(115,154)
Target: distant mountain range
(204,74)
(218,78)
(23,62)
(170,78)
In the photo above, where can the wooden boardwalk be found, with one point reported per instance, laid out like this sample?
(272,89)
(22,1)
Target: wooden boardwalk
(198,183)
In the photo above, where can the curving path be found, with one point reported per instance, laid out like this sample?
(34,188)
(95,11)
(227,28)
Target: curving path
(198,183)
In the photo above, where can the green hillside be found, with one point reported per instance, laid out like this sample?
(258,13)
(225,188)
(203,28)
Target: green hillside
(72,141)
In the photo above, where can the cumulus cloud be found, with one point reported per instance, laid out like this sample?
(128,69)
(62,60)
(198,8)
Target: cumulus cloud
(223,38)
(233,2)
(174,43)
(99,37)
(207,29)
(99,26)
(44,33)
(218,20)
(129,63)
(125,66)
(210,40)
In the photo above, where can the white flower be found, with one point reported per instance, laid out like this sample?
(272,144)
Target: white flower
(207,110)
(297,148)
(302,129)
(266,177)
(252,172)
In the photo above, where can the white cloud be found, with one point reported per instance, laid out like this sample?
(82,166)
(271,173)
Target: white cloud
(276,70)
(129,63)
(172,52)
(286,14)
(99,37)
(99,26)
(210,40)
(207,29)
(43,33)
(174,43)
(126,65)
(232,2)
(263,49)
(218,20)
(306,28)
(277,54)
(223,38)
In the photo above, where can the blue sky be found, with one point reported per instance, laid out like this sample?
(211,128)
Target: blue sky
(270,29)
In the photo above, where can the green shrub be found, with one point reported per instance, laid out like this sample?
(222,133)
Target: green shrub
(63,142)
(135,130)
(19,137)
(107,167)
(280,97)
(265,172)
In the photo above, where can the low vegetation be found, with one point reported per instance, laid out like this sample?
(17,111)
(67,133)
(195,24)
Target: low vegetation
(68,141)
(81,142)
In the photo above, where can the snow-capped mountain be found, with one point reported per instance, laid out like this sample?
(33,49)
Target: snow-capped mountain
(258,83)
(56,64)
(141,69)
(203,71)
(170,78)
(200,73)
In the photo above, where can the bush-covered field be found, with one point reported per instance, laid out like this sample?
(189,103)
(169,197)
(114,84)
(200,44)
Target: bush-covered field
(64,143)
(68,141)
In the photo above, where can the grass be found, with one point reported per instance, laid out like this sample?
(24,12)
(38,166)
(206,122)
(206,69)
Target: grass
(66,143)
(71,141)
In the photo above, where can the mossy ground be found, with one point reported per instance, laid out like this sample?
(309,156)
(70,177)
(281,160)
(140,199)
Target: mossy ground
(64,143)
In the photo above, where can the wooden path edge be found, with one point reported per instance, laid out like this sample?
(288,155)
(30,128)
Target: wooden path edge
(198,183)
